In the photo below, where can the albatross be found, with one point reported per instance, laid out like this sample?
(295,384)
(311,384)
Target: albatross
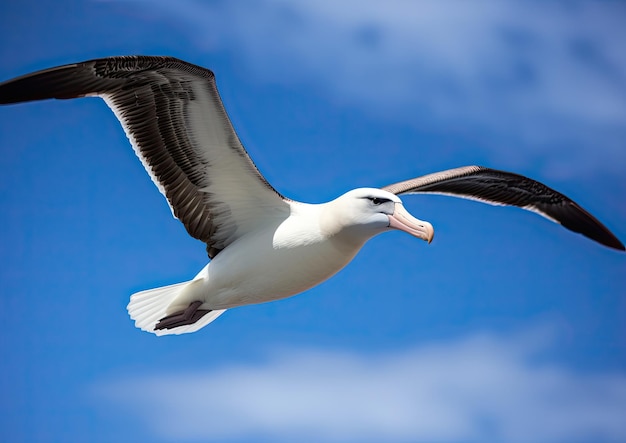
(262,246)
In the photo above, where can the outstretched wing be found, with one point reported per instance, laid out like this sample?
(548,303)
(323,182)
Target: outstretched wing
(505,188)
(175,120)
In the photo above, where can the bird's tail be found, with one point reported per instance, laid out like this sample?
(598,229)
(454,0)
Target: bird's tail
(148,307)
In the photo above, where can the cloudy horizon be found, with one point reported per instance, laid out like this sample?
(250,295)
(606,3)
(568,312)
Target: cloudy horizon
(481,387)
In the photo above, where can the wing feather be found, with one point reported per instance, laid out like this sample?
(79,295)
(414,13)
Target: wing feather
(175,120)
(506,188)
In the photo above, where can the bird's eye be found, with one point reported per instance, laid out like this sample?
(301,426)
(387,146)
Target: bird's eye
(377,201)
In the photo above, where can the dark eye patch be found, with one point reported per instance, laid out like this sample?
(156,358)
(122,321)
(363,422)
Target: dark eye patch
(377,201)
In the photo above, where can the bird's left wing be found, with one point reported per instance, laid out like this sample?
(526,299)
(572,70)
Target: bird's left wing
(509,189)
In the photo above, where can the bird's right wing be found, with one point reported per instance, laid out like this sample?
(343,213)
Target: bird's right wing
(174,118)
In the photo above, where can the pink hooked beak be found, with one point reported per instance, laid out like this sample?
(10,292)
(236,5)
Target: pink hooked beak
(403,221)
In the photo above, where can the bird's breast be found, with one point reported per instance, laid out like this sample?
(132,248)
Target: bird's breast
(274,264)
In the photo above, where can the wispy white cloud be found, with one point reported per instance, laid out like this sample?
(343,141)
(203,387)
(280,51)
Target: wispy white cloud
(481,388)
(527,74)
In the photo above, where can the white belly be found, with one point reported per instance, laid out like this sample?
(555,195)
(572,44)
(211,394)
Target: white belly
(284,258)
(254,270)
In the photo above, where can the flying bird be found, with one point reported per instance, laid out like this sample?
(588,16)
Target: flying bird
(262,246)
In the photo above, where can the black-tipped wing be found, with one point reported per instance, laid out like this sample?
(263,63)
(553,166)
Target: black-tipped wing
(173,116)
(505,188)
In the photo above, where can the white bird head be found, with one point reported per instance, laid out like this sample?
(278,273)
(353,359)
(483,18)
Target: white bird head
(365,212)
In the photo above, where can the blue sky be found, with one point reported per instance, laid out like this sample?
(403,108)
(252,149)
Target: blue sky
(507,328)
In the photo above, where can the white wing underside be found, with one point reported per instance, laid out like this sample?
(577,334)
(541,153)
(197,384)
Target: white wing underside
(231,181)
(174,118)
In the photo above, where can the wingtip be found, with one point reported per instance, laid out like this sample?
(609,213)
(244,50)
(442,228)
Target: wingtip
(611,242)
(41,85)
(580,220)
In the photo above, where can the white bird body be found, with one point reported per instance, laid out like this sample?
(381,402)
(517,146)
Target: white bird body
(262,246)
(281,259)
